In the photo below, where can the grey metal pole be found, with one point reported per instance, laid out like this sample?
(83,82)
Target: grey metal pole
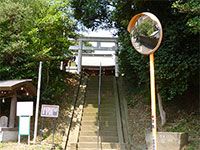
(99,102)
(54,130)
(80,56)
(38,100)
(116,62)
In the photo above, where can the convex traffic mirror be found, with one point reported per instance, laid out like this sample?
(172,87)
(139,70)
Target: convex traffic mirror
(146,32)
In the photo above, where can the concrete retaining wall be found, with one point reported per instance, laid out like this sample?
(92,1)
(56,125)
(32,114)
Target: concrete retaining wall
(167,140)
(8,134)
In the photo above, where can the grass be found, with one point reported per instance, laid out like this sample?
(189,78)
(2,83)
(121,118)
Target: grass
(25,146)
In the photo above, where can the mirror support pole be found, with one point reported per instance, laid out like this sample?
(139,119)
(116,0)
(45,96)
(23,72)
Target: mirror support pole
(153,102)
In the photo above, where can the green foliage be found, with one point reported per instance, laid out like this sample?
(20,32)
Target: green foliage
(50,32)
(176,61)
(44,136)
(132,102)
(1,145)
(146,28)
(92,13)
(13,38)
(33,31)
(192,9)
(56,86)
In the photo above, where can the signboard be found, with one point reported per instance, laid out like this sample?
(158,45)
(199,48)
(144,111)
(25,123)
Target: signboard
(24,108)
(50,111)
(24,125)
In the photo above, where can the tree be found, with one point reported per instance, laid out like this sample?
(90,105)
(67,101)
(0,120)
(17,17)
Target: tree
(176,43)
(15,22)
(92,13)
(145,28)
(33,31)
(192,9)
(177,59)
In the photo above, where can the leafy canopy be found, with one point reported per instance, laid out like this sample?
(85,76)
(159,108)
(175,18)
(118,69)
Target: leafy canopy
(192,9)
(33,31)
(177,59)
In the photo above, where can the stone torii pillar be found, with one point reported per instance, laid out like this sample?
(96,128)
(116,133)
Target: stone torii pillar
(12,112)
(80,56)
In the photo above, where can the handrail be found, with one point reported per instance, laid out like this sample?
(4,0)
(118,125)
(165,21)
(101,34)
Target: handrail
(99,102)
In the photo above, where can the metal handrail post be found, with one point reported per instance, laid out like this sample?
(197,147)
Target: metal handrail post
(99,102)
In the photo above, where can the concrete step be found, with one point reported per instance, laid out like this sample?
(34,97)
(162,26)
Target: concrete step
(112,139)
(101,107)
(96,105)
(96,94)
(110,113)
(103,84)
(96,89)
(103,94)
(94,145)
(93,128)
(108,121)
(102,102)
(102,129)
(101,133)
(102,77)
(103,81)
(101,120)
(92,86)
(105,123)
(95,110)
(101,117)
(95,98)
(92,78)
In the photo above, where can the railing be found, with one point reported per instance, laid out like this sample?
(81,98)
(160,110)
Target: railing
(99,102)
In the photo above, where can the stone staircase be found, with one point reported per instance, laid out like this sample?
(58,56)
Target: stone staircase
(108,136)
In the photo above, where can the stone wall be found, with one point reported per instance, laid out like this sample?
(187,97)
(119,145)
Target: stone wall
(167,140)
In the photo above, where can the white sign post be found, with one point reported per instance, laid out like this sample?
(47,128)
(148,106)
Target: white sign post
(38,101)
(24,111)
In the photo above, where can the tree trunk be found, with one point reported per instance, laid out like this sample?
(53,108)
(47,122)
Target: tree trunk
(162,112)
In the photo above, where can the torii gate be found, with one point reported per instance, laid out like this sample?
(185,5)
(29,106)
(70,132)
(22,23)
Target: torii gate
(99,40)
